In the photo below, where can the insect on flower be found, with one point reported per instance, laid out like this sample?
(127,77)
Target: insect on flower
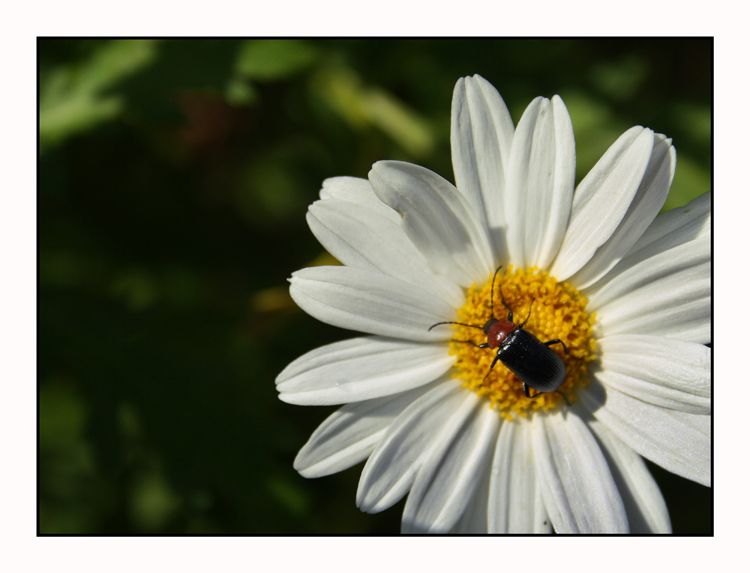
(439,421)
(532,360)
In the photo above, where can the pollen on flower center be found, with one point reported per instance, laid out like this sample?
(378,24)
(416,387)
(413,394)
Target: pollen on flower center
(558,312)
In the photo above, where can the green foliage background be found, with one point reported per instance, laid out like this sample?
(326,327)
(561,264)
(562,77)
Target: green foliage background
(174,177)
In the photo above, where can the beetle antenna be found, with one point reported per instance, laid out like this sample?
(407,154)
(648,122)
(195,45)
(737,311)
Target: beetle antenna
(505,304)
(451,322)
(527,320)
(492,292)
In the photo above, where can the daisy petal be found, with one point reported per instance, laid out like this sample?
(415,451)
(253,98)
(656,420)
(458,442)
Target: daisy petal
(644,503)
(688,321)
(361,369)
(669,230)
(540,182)
(350,434)
(659,265)
(515,502)
(359,192)
(678,442)
(650,197)
(452,471)
(678,226)
(481,137)
(360,237)
(370,302)
(474,518)
(602,199)
(577,485)
(390,470)
(666,295)
(437,218)
(673,374)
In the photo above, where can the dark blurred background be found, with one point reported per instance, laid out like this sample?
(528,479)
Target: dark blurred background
(174,177)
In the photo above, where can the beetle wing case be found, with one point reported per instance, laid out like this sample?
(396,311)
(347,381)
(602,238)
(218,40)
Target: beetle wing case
(532,361)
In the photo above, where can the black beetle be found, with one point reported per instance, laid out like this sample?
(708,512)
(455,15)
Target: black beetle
(538,366)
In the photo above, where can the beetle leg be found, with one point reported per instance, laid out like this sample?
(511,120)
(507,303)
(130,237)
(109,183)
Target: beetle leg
(528,395)
(526,391)
(564,398)
(555,341)
(497,357)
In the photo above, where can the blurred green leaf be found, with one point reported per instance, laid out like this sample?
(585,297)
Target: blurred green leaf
(402,124)
(240,92)
(154,502)
(73,98)
(363,106)
(274,59)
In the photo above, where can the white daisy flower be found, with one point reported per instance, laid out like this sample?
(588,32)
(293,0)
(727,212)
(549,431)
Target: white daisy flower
(626,291)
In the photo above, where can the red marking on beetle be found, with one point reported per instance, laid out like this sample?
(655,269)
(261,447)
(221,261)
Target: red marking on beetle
(497,330)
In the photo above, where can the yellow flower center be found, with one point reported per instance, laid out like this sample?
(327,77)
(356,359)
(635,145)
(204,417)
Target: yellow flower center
(558,312)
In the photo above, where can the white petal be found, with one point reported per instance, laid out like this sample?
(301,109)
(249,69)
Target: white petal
(518,174)
(361,369)
(474,519)
(540,182)
(701,424)
(676,227)
(602,199)
(650,197)
(667,295)
(673,374)
(649,270)
(481,137)
(359,192)
(351,433)
(438,220)
(672,229)
(369,302)
(644,503)
(390,470)
(363,238)
(678,442)
(577,486)
(515,497)
(453,470)
(688,321)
